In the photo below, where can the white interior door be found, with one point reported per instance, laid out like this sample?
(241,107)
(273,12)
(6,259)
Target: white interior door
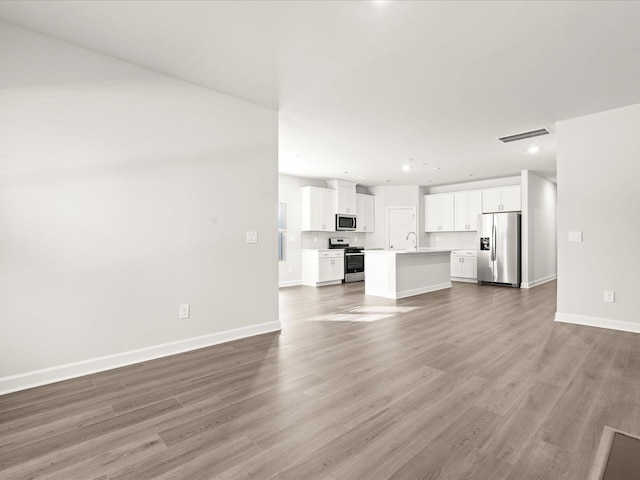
(402,221)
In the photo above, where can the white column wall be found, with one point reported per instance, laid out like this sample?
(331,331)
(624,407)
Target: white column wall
(124,193)
(598,171)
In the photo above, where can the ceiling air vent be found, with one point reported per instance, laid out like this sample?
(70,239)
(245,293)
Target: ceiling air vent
(522,136)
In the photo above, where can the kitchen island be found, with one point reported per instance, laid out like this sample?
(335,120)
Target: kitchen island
(404,273)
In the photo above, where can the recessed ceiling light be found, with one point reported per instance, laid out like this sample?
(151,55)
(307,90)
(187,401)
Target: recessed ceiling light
(534,149)
(363,178)
(436,168)
(406,168)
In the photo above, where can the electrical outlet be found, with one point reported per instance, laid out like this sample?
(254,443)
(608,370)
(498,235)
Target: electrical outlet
(184,311)
(575,236)
(609,296)
(252,237)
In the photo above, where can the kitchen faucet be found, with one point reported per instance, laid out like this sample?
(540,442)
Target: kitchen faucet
(414,240)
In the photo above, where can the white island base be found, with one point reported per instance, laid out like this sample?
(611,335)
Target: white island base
(404,273)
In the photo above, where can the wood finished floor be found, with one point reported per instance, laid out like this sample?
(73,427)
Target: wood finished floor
(467,383)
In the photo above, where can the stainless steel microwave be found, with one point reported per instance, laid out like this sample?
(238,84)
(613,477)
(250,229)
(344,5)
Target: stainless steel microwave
(345,222)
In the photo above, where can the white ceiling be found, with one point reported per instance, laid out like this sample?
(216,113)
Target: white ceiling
(364,86)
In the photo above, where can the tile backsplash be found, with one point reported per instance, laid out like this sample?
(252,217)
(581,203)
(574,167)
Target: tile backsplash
(318,240)
(454,240)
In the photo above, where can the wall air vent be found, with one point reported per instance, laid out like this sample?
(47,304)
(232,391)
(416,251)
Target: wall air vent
(522,136)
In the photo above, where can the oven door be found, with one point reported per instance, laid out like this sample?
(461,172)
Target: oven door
(353,262)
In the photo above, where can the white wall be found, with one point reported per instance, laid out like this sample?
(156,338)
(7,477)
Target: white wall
(124,193)
(539,233)
(476,185)
(598,171)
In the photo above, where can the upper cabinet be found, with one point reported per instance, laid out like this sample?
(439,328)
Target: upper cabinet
(318,210)
(467,207)
(504,199)
(365,205)
(345,193)
(438,210)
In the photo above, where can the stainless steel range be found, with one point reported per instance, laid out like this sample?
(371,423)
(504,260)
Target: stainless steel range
(353,259)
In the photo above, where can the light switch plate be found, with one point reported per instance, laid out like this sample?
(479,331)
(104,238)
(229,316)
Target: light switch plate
(575,236)
(252,237)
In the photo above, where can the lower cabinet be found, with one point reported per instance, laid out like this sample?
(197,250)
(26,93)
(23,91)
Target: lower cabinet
(322,267)
(464,265)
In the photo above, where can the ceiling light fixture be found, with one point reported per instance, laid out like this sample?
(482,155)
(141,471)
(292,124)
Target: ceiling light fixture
(534,149)
(363,178)
(406,168)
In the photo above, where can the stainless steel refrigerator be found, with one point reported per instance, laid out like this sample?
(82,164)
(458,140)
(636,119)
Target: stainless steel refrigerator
(499,249)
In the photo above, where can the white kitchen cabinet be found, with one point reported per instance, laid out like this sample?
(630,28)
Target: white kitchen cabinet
(504,199)
(345,193)
(322,267)
(318,210)
(365,208)
(464,265)
(439,212)
(467,207)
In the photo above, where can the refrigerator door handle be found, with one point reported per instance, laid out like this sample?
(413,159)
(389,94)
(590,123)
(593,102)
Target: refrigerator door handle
(493,243)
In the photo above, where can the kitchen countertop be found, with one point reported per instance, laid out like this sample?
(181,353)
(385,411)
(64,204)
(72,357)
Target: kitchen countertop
(322,250)
(422,251)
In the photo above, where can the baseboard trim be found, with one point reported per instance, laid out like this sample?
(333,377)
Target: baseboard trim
(540,281)
(290,283)
(464,280)
(67,371)
(598,322)
(420,291)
